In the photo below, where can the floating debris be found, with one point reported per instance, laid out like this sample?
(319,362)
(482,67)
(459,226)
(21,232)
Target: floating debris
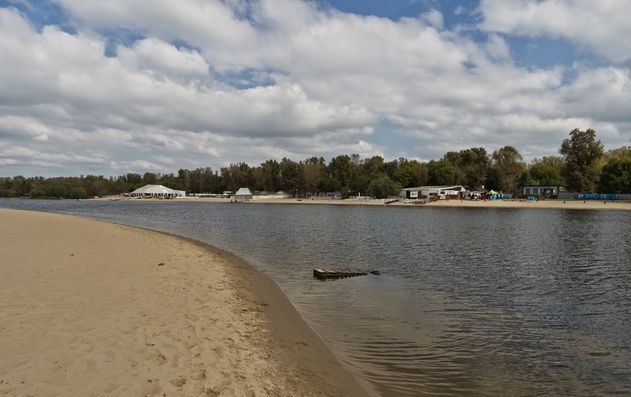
(333,274)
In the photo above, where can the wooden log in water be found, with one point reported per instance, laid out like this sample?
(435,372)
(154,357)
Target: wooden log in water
(323,274)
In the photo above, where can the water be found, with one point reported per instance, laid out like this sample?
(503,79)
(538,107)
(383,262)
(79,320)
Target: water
(470,302)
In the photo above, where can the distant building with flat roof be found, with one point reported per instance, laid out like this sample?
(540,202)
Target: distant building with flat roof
(542,191)
(414,193)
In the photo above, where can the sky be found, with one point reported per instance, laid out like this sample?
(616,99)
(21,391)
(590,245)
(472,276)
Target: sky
(118,86)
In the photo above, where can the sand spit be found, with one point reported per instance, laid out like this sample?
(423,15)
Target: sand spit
(95,309)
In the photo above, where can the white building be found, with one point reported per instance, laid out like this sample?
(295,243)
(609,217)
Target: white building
(242,194)
(440,192)
(157,191)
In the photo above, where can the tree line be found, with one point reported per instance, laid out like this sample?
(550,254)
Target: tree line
(583,166)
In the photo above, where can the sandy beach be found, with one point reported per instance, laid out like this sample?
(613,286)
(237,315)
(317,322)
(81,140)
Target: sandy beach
(549,204)
(557,204)
(96,309)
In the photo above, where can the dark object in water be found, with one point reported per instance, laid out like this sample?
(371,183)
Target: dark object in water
(333,274)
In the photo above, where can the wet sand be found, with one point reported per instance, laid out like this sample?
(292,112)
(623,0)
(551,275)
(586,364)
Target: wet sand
(96,309)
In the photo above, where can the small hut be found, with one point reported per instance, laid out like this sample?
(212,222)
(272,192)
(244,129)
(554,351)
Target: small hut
(243,194)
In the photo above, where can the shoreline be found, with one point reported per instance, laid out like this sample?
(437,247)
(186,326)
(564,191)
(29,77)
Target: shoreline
(57,270)
(514,203)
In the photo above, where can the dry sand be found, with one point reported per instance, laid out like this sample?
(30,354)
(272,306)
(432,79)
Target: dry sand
(94,309)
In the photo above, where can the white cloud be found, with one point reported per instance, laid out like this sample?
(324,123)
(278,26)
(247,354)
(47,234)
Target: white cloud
(23,127)
(497,48)
(434,18)
(163,60)
(600,26)
(321,82)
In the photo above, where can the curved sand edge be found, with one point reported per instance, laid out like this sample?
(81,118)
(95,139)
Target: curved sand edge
(98,309)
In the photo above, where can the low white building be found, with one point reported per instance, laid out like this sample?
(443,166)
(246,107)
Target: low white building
(157,191)
(441,192)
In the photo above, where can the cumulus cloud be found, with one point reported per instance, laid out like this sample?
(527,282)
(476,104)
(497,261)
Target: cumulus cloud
(208,83)
(164,60)
(600,26)
(434,18)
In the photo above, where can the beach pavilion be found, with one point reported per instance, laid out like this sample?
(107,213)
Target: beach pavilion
(242,194)
(157,191)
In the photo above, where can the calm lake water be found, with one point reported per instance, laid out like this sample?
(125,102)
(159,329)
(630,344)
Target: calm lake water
(470,302)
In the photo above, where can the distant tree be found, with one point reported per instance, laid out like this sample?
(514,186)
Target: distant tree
(238,175)
(442,173)
(547,171)
(291,176)
(19,187)
(383,187)
(582,153)
(267,176)
(183,180)
(620,153)
(149,178)
(474,166)
(411,173)
(77,192)
(315,175)
(341,170)
(170,181)
(616,173)
(5,184)
(133,180)
(373,167)
(509,168)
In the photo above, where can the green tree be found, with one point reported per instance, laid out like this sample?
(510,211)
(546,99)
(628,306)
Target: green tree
(474,166)
(19,187)
(547,171)
(314,169)
(410,173)
(237,176)
(616,173)
(341,170)
(383,187)
(291,176)
(442,173)
(149,178)
(582,153)
(267,176)
(509,168)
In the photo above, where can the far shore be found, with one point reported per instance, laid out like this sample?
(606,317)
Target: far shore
(91,308)
(515,203)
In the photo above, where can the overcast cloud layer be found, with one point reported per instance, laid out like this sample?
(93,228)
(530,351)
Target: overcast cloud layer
(123,87)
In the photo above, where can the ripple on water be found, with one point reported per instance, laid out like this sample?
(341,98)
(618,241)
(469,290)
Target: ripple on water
(470,302)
